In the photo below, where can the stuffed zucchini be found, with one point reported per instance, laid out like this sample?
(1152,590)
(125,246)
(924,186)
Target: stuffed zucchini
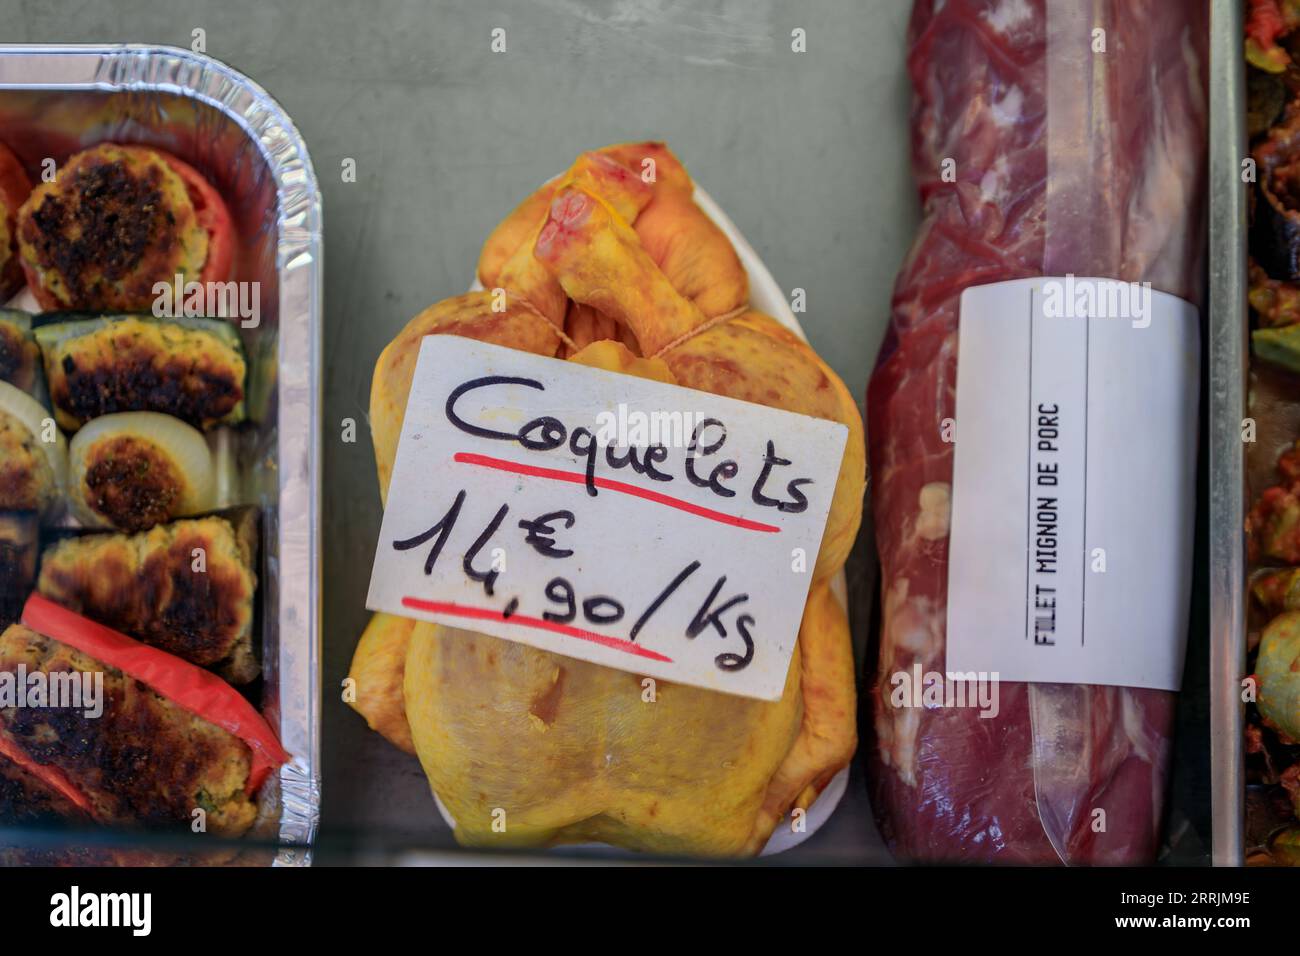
(192,369)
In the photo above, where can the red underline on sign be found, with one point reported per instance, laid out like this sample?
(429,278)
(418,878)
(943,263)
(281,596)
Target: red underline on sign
(610,484)
(488,614)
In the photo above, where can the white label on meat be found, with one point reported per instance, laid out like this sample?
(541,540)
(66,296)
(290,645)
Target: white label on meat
(1074,482)
(637,525)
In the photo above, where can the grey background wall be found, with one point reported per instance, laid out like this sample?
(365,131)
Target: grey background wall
(807,152)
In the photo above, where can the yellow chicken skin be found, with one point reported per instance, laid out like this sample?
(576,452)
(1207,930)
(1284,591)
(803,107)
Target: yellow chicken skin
(378,664)
(519,272)
(471,316)
(526,314)
(756,359)
(584,325)
(599,260)
(573,752)
(692,251)
(617,357)
(594,172)
(530,748)
(827,737)
(378,669)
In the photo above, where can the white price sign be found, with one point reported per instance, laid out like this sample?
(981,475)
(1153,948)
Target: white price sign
(642,526)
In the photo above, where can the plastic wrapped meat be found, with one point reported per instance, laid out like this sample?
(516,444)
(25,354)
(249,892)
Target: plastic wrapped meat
(1036,154)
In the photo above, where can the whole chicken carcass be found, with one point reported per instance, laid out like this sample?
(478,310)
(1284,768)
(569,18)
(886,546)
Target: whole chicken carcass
(613,265)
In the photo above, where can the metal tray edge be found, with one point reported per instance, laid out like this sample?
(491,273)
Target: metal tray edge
(1229,355)
(113,67)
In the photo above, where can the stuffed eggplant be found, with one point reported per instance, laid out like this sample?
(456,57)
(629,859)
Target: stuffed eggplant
(117,221)
(191,369)
(186,587)
(33,455)
(133,470)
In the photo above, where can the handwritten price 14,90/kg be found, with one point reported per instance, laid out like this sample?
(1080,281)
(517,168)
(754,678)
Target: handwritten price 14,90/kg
(565,605)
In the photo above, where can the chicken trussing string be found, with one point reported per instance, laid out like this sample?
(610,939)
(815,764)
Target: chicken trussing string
(613,265)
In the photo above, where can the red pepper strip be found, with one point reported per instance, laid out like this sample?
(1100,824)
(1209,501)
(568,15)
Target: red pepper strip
(201,693)
(52,777)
